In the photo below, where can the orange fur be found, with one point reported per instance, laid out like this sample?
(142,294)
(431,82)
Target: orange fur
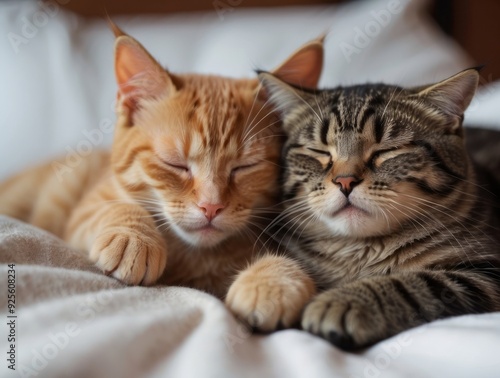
(188,186)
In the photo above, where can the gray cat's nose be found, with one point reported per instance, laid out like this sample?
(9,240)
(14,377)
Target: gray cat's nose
(346,183)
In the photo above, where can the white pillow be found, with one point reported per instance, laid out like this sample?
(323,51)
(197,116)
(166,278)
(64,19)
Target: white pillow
(58,88)
(484,110)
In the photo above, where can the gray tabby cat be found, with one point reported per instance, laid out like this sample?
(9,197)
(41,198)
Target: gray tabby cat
(382,207)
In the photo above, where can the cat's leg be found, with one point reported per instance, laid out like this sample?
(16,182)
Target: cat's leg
(45,195)
(63,188)
(271,293)
(122,238)
(18,194)
(363,312)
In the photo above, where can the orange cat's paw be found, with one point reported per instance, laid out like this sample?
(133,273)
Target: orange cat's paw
(129,256)
(270,294)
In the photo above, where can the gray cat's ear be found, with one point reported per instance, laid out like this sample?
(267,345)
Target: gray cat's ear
(283,96)
(453,95)
(138,74)
(303,68)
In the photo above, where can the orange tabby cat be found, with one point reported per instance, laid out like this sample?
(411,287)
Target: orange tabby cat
(185,189)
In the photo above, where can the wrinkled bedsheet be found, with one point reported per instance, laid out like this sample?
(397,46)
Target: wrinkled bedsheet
(72,321)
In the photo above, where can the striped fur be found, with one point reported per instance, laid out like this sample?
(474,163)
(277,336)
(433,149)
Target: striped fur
(189,182)
(409,238)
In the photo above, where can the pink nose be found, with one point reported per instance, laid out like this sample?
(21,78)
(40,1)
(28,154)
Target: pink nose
(211,210)
(347,183)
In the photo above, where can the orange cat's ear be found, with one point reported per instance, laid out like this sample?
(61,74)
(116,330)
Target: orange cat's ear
(138,74)
(303,68)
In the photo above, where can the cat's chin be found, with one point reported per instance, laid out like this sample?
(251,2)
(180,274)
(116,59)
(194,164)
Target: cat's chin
(349,211)
(201,237)
(352,221)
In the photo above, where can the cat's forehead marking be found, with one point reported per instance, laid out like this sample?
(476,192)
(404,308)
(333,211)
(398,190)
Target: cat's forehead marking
(344,119)
(196,145)
(373,111)
(349,144)
(206,122)
(217,110)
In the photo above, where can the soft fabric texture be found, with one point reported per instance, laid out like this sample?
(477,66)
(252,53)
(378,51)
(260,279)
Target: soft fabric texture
(117,331)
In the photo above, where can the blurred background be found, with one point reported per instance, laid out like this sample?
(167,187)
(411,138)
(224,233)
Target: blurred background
(58,87)
(475,25)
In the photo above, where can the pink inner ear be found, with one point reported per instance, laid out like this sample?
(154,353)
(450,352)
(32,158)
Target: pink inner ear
(128,62)
(304,67)
(304,71)
(127,67)
(138,75)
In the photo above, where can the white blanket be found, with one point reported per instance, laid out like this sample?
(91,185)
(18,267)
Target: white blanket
(74,322)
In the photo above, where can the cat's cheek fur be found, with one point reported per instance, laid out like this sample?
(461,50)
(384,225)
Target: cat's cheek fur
(270,294)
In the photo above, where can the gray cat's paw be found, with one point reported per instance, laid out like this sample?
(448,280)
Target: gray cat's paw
(346,320)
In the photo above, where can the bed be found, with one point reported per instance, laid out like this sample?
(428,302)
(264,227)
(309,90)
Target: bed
(58,88)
